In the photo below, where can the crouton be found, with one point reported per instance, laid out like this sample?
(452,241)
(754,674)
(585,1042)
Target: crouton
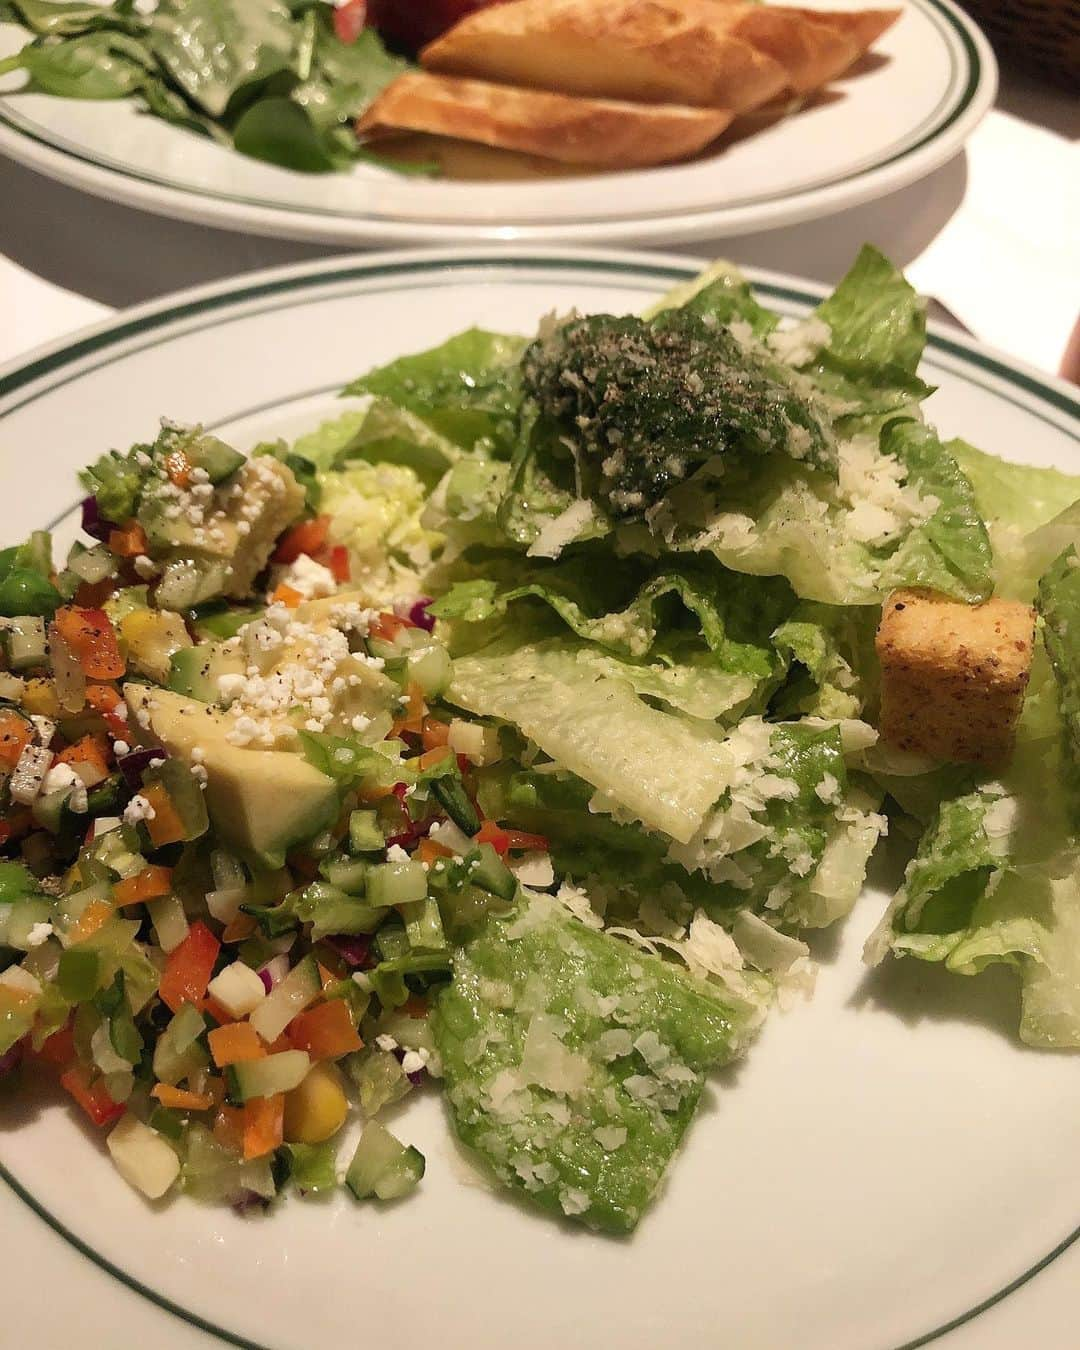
(601,133)
(953,675)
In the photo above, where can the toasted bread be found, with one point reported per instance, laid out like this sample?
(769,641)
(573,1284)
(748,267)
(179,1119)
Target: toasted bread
(811,53)
(863,26)
(599,132)
(646,51)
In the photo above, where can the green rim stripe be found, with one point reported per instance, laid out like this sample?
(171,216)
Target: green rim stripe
(652,276)
(941,17)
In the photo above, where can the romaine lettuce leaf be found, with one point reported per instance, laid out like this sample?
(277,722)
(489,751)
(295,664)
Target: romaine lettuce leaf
(467,388)
(721,292)
(1059,604)
(650,764)
(832,670)
(574,1062)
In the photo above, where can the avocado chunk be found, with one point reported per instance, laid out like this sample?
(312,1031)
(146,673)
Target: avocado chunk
(262,801)
(194,671)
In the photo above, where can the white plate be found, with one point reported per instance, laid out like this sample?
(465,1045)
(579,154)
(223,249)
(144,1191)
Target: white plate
(902,113)
(888,1161)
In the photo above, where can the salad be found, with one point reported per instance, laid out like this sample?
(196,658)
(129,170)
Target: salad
(508,735)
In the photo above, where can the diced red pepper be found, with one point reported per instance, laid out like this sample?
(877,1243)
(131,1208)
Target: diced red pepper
(15,824)
(107,701)
(92,595)
(59,1048)
(92,1095)
(350,20)
(502,841)
(92,638)
(387,626)
(307,537)
(337,560)
(189,967)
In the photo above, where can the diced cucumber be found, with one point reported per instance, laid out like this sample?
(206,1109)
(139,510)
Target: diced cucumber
(423,925)
(220,621)
(347,874)
(391,942)
(364,833)
(227,870)
(167,1123)
(429,667)
(169,920)
(330,910)
(91,564)
(383,1166)
(380,1080)
(299,988)
(312,1168)
(79,974)
(268,1076)
(24,639)
(186,583)
(24,915)
(172,1058)
(218,460)
(143,1158)
(396,883)
(184,793)
(451,795)
(491,874)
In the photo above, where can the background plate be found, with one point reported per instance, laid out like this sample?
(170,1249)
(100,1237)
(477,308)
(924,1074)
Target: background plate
(886,1163)
(901,113)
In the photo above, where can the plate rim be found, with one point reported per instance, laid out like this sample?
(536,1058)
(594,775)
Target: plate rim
(978,90)
(34,367)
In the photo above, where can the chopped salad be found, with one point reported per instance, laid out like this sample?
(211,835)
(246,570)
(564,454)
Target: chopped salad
(509,734)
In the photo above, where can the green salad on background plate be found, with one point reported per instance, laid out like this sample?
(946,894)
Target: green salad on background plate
(511,733)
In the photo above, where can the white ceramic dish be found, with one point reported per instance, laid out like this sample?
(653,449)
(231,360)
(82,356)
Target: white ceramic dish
(887,1164)
(903,112)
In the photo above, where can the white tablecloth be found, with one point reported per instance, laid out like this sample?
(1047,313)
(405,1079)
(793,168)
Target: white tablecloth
(993,236)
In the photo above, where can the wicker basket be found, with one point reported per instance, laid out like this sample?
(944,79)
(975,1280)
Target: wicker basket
(1043,36)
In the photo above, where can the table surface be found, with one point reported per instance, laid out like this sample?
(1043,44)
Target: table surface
(987,236)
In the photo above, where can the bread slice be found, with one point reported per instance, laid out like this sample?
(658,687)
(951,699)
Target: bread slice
(646,51)
(599,132)
(862,26)
(811,53)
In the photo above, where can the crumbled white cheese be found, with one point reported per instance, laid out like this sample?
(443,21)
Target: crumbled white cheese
(138,809)
(121,748)
(555,534)
(62,776)
(610,1137)
(385,1042)
(308,578)
(29,773)
(39,933)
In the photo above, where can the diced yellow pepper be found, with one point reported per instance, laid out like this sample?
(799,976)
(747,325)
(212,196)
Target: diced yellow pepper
(152,636)
(39,697)
(316,1109)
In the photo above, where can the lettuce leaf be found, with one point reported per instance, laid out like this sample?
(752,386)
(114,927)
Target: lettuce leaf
(574,1062)
(722,293)
(650,764)
(467,388)
(1059,604)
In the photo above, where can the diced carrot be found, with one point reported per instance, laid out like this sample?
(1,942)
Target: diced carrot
(91,1095)
(59,1048)
(434,733)
(151,882)
(179,1099)
(288,596)
(235,1043)
(432,757)
(16,734)
(165,825)
(228,1127)
(178,467)
(386,626)
(90,749)
(107,701)
(337,560)
(264,1121)
(129,540)
(306,537)
(326,1031)
(222,1017)
(96,913)
(236,930)
(189,967)
(92,638)
(430,851)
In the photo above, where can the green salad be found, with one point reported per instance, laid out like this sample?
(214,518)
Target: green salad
(510,733)
(277,80)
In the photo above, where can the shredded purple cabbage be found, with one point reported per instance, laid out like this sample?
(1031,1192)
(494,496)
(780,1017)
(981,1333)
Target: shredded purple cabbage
(416,612)
(92,522)
(134,765)
(354,951)
(11,1059)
